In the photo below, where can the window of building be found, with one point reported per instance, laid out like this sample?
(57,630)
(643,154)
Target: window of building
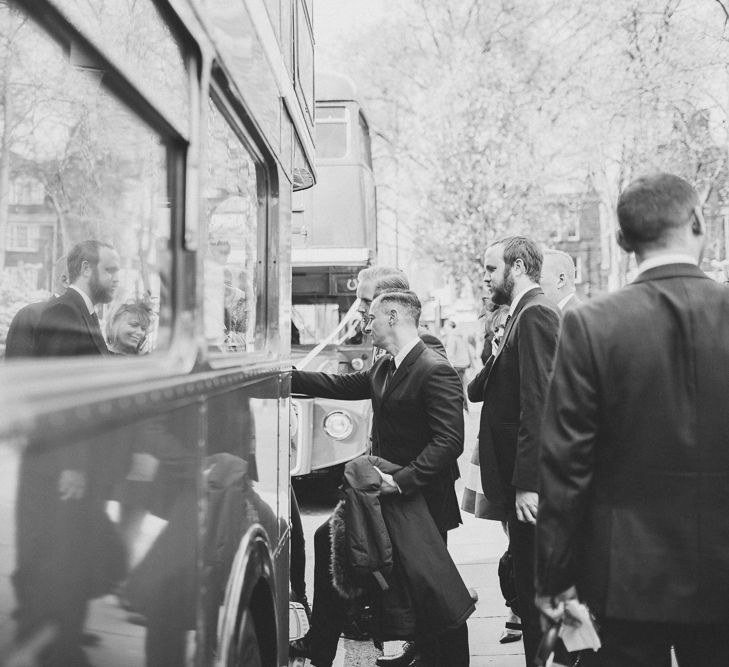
(26,192)
(232,270)
(22,237)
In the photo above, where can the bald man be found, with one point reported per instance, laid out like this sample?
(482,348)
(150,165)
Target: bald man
(558,279)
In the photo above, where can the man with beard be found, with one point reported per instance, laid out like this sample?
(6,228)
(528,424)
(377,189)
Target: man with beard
(513,385)
(58,517)
(69,326)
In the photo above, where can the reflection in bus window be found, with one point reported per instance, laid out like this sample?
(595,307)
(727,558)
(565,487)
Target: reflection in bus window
(81,168)
(231,257)
(331,132)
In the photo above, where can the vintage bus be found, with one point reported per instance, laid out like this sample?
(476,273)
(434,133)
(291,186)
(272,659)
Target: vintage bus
(145,495)
(334,237)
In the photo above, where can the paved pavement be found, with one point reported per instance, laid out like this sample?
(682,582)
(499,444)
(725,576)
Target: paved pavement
(476,547)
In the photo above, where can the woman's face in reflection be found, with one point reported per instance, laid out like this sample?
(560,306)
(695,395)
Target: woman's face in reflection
(131,332)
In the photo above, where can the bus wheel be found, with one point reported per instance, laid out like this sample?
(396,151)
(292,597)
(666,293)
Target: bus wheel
(248,651)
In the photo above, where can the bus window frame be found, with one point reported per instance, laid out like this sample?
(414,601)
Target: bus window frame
(347,127)
(179,355)
(265,179)
(301,10)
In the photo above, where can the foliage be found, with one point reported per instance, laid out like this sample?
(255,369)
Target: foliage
(486,114)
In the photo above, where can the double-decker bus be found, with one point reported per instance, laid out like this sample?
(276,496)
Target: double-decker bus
(144,504)
(334,237)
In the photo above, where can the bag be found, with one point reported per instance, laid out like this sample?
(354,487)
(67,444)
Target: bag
(507,582)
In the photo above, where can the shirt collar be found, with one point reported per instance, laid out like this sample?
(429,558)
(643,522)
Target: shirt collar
(517,298)
(565,301)
(663,260)
(405,350)
(85,297)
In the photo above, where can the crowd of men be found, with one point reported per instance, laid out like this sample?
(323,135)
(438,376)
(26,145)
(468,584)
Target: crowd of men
(602,429)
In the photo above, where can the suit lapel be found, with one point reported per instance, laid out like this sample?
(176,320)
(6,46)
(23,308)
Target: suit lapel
(512,320)
(404,369)
(92,328)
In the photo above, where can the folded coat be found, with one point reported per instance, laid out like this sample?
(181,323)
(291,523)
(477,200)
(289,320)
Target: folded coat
(419,591)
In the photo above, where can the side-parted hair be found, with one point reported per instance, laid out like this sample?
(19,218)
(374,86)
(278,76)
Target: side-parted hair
(652,206)
(525,249)
(86,251)
(407,300)
(384,277)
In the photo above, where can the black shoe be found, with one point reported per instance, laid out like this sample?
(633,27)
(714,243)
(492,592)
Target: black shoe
(402,660)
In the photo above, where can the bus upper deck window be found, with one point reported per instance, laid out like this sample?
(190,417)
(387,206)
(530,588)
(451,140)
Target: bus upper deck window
(332,132)
(88,211)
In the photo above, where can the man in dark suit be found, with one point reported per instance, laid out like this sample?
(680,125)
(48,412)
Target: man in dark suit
(20,339)
(69,326)
(635,464)
(55,510)
(558,279)
(418,424)
(513,386)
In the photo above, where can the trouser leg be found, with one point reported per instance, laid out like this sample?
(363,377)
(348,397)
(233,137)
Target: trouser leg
(328,610)
(702,645)
(297,566)
(631,644)
(521,545)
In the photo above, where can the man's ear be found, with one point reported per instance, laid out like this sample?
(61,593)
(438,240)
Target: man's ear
(561,280)
(622,241)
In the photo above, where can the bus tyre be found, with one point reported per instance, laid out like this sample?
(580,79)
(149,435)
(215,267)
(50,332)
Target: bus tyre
(248,652)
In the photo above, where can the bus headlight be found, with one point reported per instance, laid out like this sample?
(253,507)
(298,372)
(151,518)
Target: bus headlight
(357,363)
(338,425)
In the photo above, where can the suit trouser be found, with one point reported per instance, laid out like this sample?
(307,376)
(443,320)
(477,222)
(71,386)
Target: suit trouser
(297,565)
(329,608)
(522,546)
(645,644)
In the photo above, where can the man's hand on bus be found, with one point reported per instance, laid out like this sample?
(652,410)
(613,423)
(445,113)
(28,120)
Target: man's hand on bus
(72,485)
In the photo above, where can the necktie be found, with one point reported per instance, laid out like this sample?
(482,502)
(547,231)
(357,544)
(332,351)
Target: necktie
(391,368)
(95,320)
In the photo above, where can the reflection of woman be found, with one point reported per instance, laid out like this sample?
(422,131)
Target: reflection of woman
(127,328)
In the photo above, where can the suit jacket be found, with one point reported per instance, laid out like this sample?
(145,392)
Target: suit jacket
(513,386)
(20,340)
(67,329)
(417,421)
(635,470)
(573,302)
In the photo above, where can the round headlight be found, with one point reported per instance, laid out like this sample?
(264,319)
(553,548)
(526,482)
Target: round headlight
(338,425)
(357,363)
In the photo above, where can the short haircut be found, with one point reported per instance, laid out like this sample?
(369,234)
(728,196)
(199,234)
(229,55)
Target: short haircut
(564,261)
(86,251)
(406,299)
(525,249)
(384,277)
(653,206)
(137,309)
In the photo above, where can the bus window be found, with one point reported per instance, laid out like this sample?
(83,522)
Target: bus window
(332,132)
(136,36)
(305,53)
(231,257)
(80,167)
